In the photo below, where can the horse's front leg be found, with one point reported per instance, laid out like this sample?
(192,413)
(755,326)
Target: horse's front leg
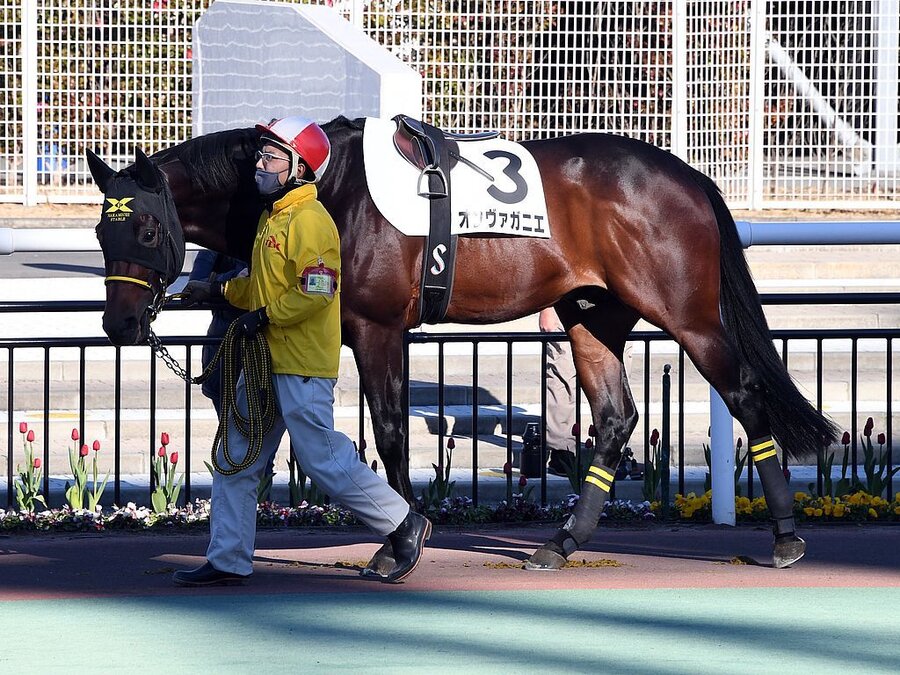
(379,359)
(602,376)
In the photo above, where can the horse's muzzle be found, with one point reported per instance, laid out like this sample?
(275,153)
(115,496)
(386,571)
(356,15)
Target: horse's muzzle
(125,331)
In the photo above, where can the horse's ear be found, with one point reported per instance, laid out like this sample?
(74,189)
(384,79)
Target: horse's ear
(100,170)
(147,173)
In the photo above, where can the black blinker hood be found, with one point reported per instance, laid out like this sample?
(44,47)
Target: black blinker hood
(125,201)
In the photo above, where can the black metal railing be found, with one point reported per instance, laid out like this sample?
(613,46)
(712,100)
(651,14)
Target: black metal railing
(645,338)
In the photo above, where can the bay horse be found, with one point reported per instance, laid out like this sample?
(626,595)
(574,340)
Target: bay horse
(637,233)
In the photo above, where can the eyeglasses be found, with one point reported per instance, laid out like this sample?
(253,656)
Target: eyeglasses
(267,157)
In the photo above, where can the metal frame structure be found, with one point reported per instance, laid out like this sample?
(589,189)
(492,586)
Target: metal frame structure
(890,338)
(784,105)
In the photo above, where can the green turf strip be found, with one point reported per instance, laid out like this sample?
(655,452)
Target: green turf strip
(623,631)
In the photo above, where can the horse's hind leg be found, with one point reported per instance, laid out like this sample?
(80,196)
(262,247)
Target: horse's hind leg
(597,346)
(742,391)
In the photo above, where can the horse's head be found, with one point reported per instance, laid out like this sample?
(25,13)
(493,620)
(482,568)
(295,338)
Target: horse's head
(142,243)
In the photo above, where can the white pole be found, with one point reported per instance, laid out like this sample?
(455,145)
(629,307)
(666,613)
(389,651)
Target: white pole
(51,240)
(757,102)
(887,149)
(679,84)
(29,102)
(721,451)
(862,149)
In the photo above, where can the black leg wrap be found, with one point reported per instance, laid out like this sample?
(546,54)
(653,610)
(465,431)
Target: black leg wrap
(584,518)
(580,526)
(789,548)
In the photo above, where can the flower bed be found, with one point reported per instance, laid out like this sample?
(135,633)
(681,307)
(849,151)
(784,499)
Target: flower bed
(453,511)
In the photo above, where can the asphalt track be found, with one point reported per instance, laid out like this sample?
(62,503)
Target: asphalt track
(686,599)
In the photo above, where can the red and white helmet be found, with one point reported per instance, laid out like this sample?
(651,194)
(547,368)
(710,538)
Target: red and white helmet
(303,139)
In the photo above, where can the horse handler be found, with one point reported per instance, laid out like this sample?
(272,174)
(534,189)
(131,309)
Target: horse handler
(293,296)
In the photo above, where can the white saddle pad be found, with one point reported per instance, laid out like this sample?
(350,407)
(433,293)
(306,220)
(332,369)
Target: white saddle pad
(507,199)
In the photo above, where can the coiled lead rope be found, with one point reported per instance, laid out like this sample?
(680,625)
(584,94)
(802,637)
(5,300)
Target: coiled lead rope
(261,409)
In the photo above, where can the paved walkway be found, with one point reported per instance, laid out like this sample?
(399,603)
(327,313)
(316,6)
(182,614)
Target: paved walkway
(656,599)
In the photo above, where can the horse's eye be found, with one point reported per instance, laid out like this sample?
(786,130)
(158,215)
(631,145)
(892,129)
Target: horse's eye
(148,231)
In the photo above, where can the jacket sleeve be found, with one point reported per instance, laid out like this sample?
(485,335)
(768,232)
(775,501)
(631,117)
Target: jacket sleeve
(312,238)
(203,265)
(237,292)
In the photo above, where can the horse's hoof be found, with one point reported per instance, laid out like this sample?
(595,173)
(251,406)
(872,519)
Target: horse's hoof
(545,560)
(381,564)
(788,550)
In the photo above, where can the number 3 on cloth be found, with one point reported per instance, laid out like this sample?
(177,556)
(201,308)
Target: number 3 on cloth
(319,280)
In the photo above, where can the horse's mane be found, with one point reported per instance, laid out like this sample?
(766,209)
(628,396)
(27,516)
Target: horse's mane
(340,122)
(212,157)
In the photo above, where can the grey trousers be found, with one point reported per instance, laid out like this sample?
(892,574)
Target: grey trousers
(306,411)
(561,395)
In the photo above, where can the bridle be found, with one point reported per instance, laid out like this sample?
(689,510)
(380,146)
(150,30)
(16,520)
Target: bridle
(160,297)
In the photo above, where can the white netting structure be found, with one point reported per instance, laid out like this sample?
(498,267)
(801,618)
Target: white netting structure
(260,60)
(784,104)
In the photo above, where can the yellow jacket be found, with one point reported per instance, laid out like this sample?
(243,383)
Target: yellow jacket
(304,331)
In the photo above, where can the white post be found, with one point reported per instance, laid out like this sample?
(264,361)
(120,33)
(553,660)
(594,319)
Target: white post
(679,81)
(757,101)
(29,102)
(887,150)
(721,460)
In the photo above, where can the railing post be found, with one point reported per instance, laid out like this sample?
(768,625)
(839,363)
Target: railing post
(666,441)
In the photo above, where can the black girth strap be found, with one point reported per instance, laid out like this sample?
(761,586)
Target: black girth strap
(439,255)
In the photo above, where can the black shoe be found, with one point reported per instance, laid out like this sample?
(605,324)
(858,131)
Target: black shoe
(207,575)
(408,541)
(561,462)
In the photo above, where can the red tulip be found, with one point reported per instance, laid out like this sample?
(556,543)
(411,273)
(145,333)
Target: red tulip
(96,446)
(451,443)
(507,469)
(174,458)
(362,444)
(162,452)
(881,439)
(75,436)
(845,439)
(164,438)
(37,463)
(740,443)
(654,437)
(23,427)
(30,436)
(576,430)
(588,444)
(867,431)
(523,481)
(84,451)
(592,431)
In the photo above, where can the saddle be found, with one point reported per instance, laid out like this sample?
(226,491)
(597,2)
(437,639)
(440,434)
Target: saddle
(412,141)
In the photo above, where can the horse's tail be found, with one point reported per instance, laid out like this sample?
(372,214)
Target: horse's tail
(798,427)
